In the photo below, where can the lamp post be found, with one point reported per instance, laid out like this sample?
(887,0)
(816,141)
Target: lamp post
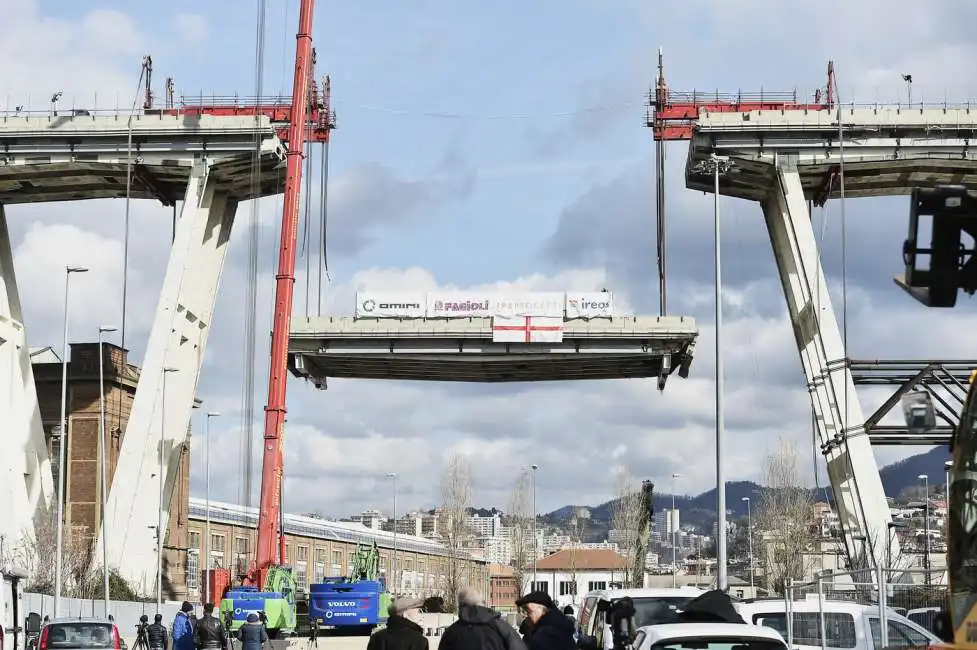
(393,561)
(103,463)
(718,166)
(159,511)
(212,414)
(926,524)
(749,539)
(62,446)
(672,529)
(947,466)
(535,468)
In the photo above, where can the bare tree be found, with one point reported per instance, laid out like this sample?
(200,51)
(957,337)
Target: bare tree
(626,519)
(520,526)
(785,517)
(456,500)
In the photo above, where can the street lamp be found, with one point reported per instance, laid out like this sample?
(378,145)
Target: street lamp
(62,446)
(212,414)
(947,466)
(534,467)
(393,561)
(103,462)
(159,511)
(749,539)
(718,166)
(672,529)
(926,523)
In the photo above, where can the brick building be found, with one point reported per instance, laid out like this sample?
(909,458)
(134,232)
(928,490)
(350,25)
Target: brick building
(82,483)
(504,588)
(317,548)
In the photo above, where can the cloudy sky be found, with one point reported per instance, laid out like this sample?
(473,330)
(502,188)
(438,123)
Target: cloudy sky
(496,144)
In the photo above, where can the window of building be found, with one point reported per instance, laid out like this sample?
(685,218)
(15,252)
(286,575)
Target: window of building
(350,561)
(596,585)
(240,555)
(320,564)
(302,566)
(217,546)
(337,557)
(541,585)
(568,587)
(193,567)
(193,540)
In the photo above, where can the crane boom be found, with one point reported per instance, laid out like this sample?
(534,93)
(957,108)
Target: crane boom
(272,455)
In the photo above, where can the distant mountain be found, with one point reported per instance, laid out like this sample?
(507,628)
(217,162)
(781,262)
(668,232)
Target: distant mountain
(902,476)
(700,511)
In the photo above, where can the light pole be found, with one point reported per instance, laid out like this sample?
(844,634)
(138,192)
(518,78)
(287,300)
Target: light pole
(926,524)
(159,511)
(718,166)
(947,466)
(672,529)
(534,467)
(103,462)
(62,446)
(749,539)
(393,561)
(212,414)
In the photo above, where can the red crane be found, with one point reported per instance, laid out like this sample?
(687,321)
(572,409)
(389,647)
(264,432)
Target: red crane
(307,117)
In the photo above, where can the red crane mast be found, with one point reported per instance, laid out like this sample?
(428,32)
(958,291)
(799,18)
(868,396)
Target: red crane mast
(273,454)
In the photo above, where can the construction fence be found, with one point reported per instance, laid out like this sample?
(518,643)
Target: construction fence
(916,594)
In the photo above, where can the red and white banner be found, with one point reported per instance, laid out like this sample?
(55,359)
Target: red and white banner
(527,329)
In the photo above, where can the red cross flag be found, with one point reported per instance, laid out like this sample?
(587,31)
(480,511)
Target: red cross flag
(527,329)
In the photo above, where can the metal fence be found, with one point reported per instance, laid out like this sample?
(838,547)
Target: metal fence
(903,590)
(125,613)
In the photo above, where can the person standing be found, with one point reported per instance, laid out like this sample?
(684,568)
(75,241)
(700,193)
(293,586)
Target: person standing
(403,631)
(157,634)
(209,633)
(183,628)
(479,627)
(552,630)
(252,635)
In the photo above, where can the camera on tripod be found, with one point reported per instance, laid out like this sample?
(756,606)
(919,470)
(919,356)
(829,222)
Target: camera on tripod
(142,632)
(619,615)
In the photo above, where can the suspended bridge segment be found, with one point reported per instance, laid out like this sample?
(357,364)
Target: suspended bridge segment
(783,159)
(491,344)
(205,163)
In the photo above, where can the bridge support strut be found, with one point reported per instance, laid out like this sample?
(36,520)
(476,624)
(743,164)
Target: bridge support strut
(858,492)
(26,486)
(177,341)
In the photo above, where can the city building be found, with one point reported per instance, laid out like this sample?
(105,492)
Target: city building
(503,588)
(569,574)
(317,548)
(82,508)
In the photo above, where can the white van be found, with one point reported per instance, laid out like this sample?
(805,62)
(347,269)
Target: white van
(847,625)
(652,607)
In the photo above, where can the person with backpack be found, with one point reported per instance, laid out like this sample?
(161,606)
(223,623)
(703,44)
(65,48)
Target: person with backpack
(479,627)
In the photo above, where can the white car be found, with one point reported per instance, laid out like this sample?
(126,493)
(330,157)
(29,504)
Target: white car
(652,606)
(708,636)
(847,625)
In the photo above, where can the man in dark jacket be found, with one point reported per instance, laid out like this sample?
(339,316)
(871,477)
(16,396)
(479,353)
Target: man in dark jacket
(402,632)
(479,627)
(209,633)
(252,634)
(552,630)
(157,635)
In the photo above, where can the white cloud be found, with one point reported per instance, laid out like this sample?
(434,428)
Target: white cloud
(192,28)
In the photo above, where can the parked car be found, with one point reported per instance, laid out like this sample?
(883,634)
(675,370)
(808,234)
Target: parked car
(80,634)
(847,625)
(708,636)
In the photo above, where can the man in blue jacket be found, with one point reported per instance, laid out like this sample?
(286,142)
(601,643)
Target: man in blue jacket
(183,628)
(252,634)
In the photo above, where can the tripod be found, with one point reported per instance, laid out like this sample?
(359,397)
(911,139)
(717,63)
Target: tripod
(142,637)
(313,633)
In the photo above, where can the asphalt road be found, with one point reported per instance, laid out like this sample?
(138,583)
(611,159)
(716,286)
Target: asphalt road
(335,643)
